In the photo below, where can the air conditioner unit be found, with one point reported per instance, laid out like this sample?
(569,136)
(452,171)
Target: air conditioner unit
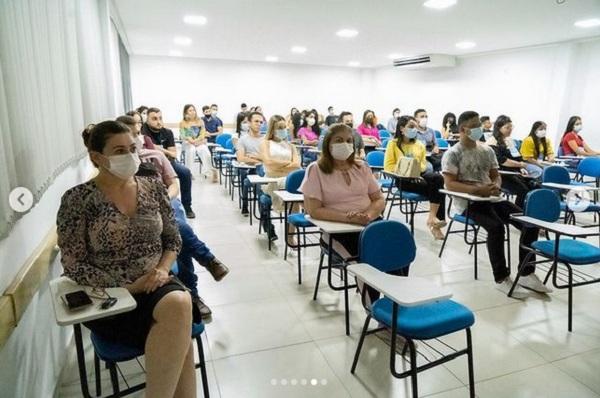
(426,61)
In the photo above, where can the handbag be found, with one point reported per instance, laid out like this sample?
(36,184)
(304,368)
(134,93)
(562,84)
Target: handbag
(408,167)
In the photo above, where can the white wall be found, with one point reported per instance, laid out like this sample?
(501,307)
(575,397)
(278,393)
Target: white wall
(171,82)
(545,83)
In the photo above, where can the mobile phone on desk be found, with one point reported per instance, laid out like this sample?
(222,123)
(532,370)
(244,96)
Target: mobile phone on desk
(77,300)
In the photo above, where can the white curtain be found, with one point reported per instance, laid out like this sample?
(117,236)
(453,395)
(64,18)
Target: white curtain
(55,78)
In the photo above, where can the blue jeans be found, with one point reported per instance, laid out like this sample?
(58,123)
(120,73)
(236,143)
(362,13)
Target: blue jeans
(185,183)
(246,183)
(191,248)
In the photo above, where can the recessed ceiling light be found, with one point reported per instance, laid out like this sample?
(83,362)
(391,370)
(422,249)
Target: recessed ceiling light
(298,49)
(588,23)
(354,63)
(465,45)
(175,53)
(194,19)
(182,41)
(271,58)
(439,4)
(347,33)
(395,56)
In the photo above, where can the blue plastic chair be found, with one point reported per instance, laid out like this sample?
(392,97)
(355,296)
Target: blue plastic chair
(222,139)
(442,143)
(389,246)
(298,220)
(384,143)
(375,161)
(112,353)
(437,134)
(384,134)
(544,205)
(560,175)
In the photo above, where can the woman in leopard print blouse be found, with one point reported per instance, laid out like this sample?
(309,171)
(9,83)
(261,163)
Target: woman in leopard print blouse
(118,230)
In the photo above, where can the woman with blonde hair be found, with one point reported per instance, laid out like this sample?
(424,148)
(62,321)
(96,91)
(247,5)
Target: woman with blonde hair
(280,158)
(193,137)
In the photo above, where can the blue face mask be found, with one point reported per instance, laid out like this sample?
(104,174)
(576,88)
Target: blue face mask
(281,134)
(411,134)
(475,134)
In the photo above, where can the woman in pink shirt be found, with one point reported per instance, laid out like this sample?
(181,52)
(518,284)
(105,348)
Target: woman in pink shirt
(368,129)
(340,188)
(309,132)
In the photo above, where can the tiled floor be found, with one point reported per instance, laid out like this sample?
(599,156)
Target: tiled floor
(269,339)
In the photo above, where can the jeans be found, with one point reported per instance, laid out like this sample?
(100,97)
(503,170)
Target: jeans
(430,187)
(185,183)
(492,217)
(191,248)
(246,183)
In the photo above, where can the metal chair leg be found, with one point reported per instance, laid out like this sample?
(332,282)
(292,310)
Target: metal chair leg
(413,367)
(360,343)
(114,379)
(319,274)
(97,375)
(202,366)
(470,364)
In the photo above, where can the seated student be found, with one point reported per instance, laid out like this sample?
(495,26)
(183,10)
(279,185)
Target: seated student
(391,126)
(144,139)
(164,140)
(289,122)
(405,144)
(242,126)
(368,130)
(192,134)
(248,151)
(486,126)
(339,188)
(449,126)
(212,124)
(427,136)
(572,144)
(536,147)
(143,111)
(192,246)
(509,158)
(331,117)
(118,230)
(472,167)
(279,158)
(309,132)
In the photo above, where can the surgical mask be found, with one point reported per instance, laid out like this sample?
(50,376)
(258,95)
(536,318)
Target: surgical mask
(476,134)
(342,150)
(282,134)
(124,166)
(411,134)
(310,121)
(245,126)
(423,122)
(540,133)
(213,113)
(577,128)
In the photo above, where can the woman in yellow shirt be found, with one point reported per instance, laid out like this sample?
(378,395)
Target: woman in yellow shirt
(536,149)
(429,184)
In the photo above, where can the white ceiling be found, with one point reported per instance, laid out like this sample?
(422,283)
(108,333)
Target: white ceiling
(253,29)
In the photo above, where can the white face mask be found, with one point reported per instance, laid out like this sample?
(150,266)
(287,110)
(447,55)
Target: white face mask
(540,133)
(310,121)
(213,113)
(139,142)
(577,128)
(282,134)
(124,166)
(245,126)
(341,150)
(423,122)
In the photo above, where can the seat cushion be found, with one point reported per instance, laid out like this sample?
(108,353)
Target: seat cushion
(462,219)
(386,183)
(299,220)
(413,197)
(569,250)
(197,329)
(110,351)
(425,321)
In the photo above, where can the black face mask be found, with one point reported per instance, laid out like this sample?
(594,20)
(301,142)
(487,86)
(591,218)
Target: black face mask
(207,116)
(349,124)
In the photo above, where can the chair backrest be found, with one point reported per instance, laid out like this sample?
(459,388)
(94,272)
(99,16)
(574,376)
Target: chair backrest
(384,134)
(293,181)
(222,139)
(229,145)
(442,143)
(375,158)
(589,167)
(543,204)
(556,174)
(437,134)
(387,245)
(384,142)
(518,144)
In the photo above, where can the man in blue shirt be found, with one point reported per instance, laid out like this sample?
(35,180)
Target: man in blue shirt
(427,136)
(213,125)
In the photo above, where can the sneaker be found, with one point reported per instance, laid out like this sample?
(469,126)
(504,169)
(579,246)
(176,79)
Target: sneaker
(217,269)
(532,282)
(189,213)
(205,312)
(245,211)
(505,286)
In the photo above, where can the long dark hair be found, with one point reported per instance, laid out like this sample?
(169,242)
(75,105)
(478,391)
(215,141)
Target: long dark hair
(453,125)
(571,124)
(501,121)
(399,136)
(364,119)
(325,162)
(537,140)
(315,127)
(238,123)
